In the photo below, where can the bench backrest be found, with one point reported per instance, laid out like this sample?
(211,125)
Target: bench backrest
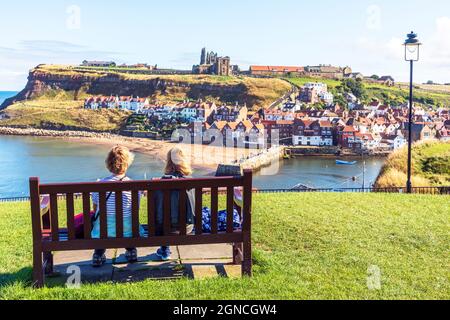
(214,186)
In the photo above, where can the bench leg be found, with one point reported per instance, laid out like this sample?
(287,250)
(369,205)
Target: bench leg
(48,263)
(38,272)
(237,253)
(247,251)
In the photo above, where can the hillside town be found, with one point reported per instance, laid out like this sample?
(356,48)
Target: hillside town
(371,128)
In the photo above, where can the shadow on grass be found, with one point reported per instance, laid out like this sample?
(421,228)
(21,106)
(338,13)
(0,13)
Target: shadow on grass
(24,275)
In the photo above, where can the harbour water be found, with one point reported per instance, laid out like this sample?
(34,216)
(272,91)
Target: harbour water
(56,160)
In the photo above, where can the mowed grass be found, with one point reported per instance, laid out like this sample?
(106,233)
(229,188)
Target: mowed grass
(306,246)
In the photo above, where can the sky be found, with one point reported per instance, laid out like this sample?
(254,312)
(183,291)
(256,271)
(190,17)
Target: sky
(366,35)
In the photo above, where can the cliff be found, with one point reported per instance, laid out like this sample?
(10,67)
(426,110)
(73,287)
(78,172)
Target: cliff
(76,83)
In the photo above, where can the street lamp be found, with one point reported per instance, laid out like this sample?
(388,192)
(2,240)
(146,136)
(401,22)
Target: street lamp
(412,50)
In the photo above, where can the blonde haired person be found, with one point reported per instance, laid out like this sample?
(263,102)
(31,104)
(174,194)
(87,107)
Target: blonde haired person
(177,163)
(177,167)
(118,161)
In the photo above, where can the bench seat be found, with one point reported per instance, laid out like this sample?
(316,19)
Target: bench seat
(64,234)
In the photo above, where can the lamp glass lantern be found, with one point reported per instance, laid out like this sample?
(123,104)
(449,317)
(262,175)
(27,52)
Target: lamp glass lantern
(412,47)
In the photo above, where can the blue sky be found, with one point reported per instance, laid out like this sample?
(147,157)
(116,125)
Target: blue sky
(367,35)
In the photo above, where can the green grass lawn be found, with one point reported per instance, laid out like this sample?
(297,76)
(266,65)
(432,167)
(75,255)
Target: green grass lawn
(306,246)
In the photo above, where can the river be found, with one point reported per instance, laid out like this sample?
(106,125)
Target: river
(56,160)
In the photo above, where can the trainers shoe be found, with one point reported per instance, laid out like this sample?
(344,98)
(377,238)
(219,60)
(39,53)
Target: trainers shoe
(98,261)
(164,255)
(131,256)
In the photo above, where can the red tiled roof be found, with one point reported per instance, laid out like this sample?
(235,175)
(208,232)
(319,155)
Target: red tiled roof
(277,69)
(349,129)
(284,122)
(325,124)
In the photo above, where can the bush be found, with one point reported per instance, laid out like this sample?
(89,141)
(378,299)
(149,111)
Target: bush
(437,165)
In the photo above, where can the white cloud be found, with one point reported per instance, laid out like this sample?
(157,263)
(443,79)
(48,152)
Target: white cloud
(436,49)
(383,55)
(15,61)
(391,50)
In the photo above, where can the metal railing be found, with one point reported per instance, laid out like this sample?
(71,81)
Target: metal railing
(400,190)
(416,190)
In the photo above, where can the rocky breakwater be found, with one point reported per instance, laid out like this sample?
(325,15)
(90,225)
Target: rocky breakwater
(262,159)
(7,131)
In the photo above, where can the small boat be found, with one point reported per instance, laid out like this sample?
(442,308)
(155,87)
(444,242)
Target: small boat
(346,163)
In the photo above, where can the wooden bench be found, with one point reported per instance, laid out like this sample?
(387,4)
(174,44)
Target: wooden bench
(49,236)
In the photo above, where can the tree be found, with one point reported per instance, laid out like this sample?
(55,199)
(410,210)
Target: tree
(356,87)
(375,77)
(340,100)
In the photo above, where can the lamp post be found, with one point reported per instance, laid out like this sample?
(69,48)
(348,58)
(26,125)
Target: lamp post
(412,50)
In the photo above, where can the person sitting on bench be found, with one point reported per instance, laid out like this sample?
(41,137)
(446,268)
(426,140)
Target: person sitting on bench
(177,167)
(118,161)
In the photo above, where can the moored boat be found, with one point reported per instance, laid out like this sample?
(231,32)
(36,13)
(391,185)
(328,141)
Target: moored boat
(347,163)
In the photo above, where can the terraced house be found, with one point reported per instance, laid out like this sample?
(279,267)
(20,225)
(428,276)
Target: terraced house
(312,133)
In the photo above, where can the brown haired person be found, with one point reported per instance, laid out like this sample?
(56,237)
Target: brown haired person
(118,161)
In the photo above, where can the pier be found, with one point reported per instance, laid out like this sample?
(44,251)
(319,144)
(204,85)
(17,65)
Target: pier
(262,159)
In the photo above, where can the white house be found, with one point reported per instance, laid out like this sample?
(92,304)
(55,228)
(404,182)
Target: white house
(378,128)
(399,141)
(125,103)
(291,107)
(326,97)
(188,114)
(138,104)
(318,86)
(318,141)
(368,141)
(382,110)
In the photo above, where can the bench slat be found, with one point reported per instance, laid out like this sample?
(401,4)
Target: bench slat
(167,223)
(151,214)
(154,185)
(135,213)
(198,211)
(87,215)
(230,209)
(247,198)
(182,206)
(54,223)
(114,243)
(103,219)
(119,214)
(70,216)
(214,209)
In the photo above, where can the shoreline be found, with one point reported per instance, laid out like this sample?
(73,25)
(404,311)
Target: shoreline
(202,156)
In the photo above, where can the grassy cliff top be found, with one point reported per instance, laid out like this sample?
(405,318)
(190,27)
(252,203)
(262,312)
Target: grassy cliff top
(66,70)
(431,166)
(430,94)
(305,246)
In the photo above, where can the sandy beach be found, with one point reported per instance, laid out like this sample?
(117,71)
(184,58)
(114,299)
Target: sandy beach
(202,156)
